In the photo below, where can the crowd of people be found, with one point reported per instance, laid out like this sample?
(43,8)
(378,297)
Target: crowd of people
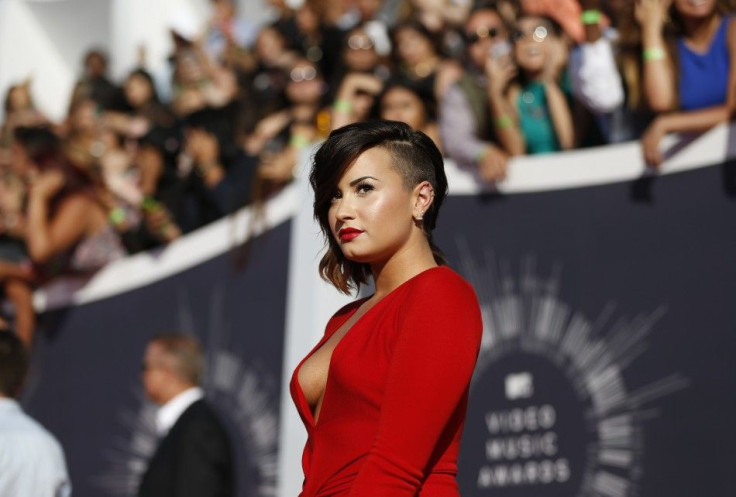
(133,167)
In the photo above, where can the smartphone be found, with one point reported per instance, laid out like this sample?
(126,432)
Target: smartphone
(500,49)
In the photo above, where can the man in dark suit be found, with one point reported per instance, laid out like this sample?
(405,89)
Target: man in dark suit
(194,457)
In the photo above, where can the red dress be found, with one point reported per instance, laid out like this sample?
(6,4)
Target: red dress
(396,394)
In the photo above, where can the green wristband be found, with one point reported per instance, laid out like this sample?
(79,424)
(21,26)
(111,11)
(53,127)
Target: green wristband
(591,16)
(345,106)
(299,141)
(653,54)
(503,122)
(117,216)
(149,203)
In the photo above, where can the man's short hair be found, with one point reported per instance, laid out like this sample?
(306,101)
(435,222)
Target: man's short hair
(185,353)
(13,364)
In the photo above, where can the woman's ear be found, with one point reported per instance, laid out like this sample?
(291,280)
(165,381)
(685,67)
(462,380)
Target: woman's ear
(423,198)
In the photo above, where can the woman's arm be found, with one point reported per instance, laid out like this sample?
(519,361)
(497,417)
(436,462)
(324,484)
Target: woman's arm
(693,121)
(679,122)
(9,270)
(344,108)
(560,113)
(506,122)
(449,73)
(461,140)
(500,71)
(281,165)
(48,237)
(266,129)
(431,365)
(659,73)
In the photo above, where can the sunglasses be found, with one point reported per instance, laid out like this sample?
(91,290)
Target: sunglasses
(482,33)
(306,73)
(539,34)
(360,42)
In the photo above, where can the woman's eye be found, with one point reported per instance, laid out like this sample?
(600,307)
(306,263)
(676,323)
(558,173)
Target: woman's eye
(336,196)
(364,188)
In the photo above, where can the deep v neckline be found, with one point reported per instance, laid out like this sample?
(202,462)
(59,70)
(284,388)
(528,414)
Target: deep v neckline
(302,398)
(309,413)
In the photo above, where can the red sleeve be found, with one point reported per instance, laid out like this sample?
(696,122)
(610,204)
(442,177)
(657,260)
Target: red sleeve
(433,360)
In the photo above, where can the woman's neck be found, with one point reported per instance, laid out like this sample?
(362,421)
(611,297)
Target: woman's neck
(530,76)
(699,32)
(402,266)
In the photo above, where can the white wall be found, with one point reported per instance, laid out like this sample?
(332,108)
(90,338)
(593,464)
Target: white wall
(144,22)
(27,50)
(74,26)
(47,39)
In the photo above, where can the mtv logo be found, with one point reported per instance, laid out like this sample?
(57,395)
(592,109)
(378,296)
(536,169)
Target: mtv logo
(519,386)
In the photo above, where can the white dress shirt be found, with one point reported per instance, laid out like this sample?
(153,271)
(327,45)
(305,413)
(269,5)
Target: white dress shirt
(169,413)
(31,460)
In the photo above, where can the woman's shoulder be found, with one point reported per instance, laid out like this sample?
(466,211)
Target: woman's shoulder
(441,281)
(441,299)
(78,204)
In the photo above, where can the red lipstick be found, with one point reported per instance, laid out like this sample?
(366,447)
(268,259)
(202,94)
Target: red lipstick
(347,234)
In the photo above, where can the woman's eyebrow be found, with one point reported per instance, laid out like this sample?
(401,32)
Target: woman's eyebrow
(356,181)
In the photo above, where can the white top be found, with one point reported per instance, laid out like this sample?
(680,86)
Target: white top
(170,412)
(31,460)
(595,78)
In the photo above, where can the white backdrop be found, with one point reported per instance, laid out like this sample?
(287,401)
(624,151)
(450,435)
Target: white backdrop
(46,40)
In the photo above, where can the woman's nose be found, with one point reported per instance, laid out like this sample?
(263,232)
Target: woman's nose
(344,209)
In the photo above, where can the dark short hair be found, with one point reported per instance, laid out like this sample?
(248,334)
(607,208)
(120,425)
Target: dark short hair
(415,157)
(13,364)
(186,354)
(424,93)
(46,150)
(413,24)
(40,143)
(483,5)
(142,73)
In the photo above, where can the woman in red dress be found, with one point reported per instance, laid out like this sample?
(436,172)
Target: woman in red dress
(384,393)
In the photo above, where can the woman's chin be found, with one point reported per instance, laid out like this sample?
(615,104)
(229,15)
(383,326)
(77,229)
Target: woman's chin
(532,66)
(357,257)
(698,8)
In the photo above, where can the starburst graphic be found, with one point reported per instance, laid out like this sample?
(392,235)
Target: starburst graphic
(550,388)
(243,394)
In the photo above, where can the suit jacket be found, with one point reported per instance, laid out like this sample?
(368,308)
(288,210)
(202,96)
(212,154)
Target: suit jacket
(193,460)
